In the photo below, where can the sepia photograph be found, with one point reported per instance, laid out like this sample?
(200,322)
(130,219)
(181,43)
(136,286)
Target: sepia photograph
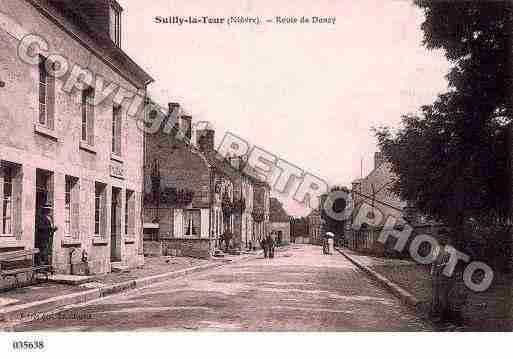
(335,169)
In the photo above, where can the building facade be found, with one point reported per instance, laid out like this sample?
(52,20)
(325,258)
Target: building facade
(279,222)
(250,194)
(315,227)
(188,201)
(260,214)
(60,145)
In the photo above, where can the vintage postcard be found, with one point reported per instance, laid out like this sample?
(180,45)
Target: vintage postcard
(255,166)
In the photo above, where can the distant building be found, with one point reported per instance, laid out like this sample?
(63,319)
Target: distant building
(188,200)
(315,227)
(280,221)
(250,194)
(375,190)
(64,148)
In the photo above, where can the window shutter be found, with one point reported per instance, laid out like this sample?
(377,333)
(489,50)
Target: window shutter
(50,102)
(90,117)
(131,217)
(75,212)
(103,214)
(196,222)
(203,223)
(119,124)
(18,205)
(177,222)
(1,193)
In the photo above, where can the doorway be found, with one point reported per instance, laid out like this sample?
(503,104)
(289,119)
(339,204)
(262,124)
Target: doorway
(115,226)
(44,198)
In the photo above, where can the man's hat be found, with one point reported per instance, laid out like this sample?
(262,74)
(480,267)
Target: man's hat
(330,234)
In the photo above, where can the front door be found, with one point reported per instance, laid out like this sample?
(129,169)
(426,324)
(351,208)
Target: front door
(115,222)
(44,197)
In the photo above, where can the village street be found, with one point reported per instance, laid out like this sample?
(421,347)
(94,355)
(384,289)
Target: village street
(300,290)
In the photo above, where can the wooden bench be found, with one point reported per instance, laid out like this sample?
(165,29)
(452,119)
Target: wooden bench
(18,262)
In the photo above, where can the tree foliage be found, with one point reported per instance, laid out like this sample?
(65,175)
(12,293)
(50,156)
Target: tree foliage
(339,205)
(452,159)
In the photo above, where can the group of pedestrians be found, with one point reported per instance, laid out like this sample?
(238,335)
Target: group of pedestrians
(268,244)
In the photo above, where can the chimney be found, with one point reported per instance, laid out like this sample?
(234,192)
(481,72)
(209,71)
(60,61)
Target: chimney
(187,126)
(379,159)
(205,140)
(235,162)
(172,106)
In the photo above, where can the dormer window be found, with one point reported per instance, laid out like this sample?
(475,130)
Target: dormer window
(115,23)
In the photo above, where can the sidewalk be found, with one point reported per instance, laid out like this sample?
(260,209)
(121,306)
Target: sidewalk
(20,303)
(491,310)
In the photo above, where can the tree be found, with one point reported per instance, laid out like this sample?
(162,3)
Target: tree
(339,205)
(452,159)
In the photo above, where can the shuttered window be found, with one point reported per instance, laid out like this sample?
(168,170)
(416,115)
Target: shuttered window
(99,209)
(7,202)
(130,214)
(71,208)
(10,199)
(115,25)
(88,116)
(116,130)
(46,94)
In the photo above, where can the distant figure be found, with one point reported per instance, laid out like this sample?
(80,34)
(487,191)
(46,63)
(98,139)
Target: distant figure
(45,230)
(264,246)
(440,285)
(327,243)
(272,244)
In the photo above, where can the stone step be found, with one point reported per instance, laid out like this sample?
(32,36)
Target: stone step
(70,279)
(118,267)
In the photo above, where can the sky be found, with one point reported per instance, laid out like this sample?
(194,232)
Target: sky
(308,93)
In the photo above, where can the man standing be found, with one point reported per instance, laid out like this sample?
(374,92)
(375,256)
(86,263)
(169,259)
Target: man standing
(272,244)
(265,246)
(45,230)
(440,284)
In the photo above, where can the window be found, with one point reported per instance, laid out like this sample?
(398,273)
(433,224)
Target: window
(130,214)
(67,208)
(88,116)
(46,95)
(71,208)
(115,24)
(7,208)
(99,209)
(116,130)
(10,199)
(192,223)
(217,223)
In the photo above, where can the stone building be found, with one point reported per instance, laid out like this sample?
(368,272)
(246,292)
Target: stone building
(260,213)
(280,221)
(251,195)
(188,201)
(315,227)
(63,142)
